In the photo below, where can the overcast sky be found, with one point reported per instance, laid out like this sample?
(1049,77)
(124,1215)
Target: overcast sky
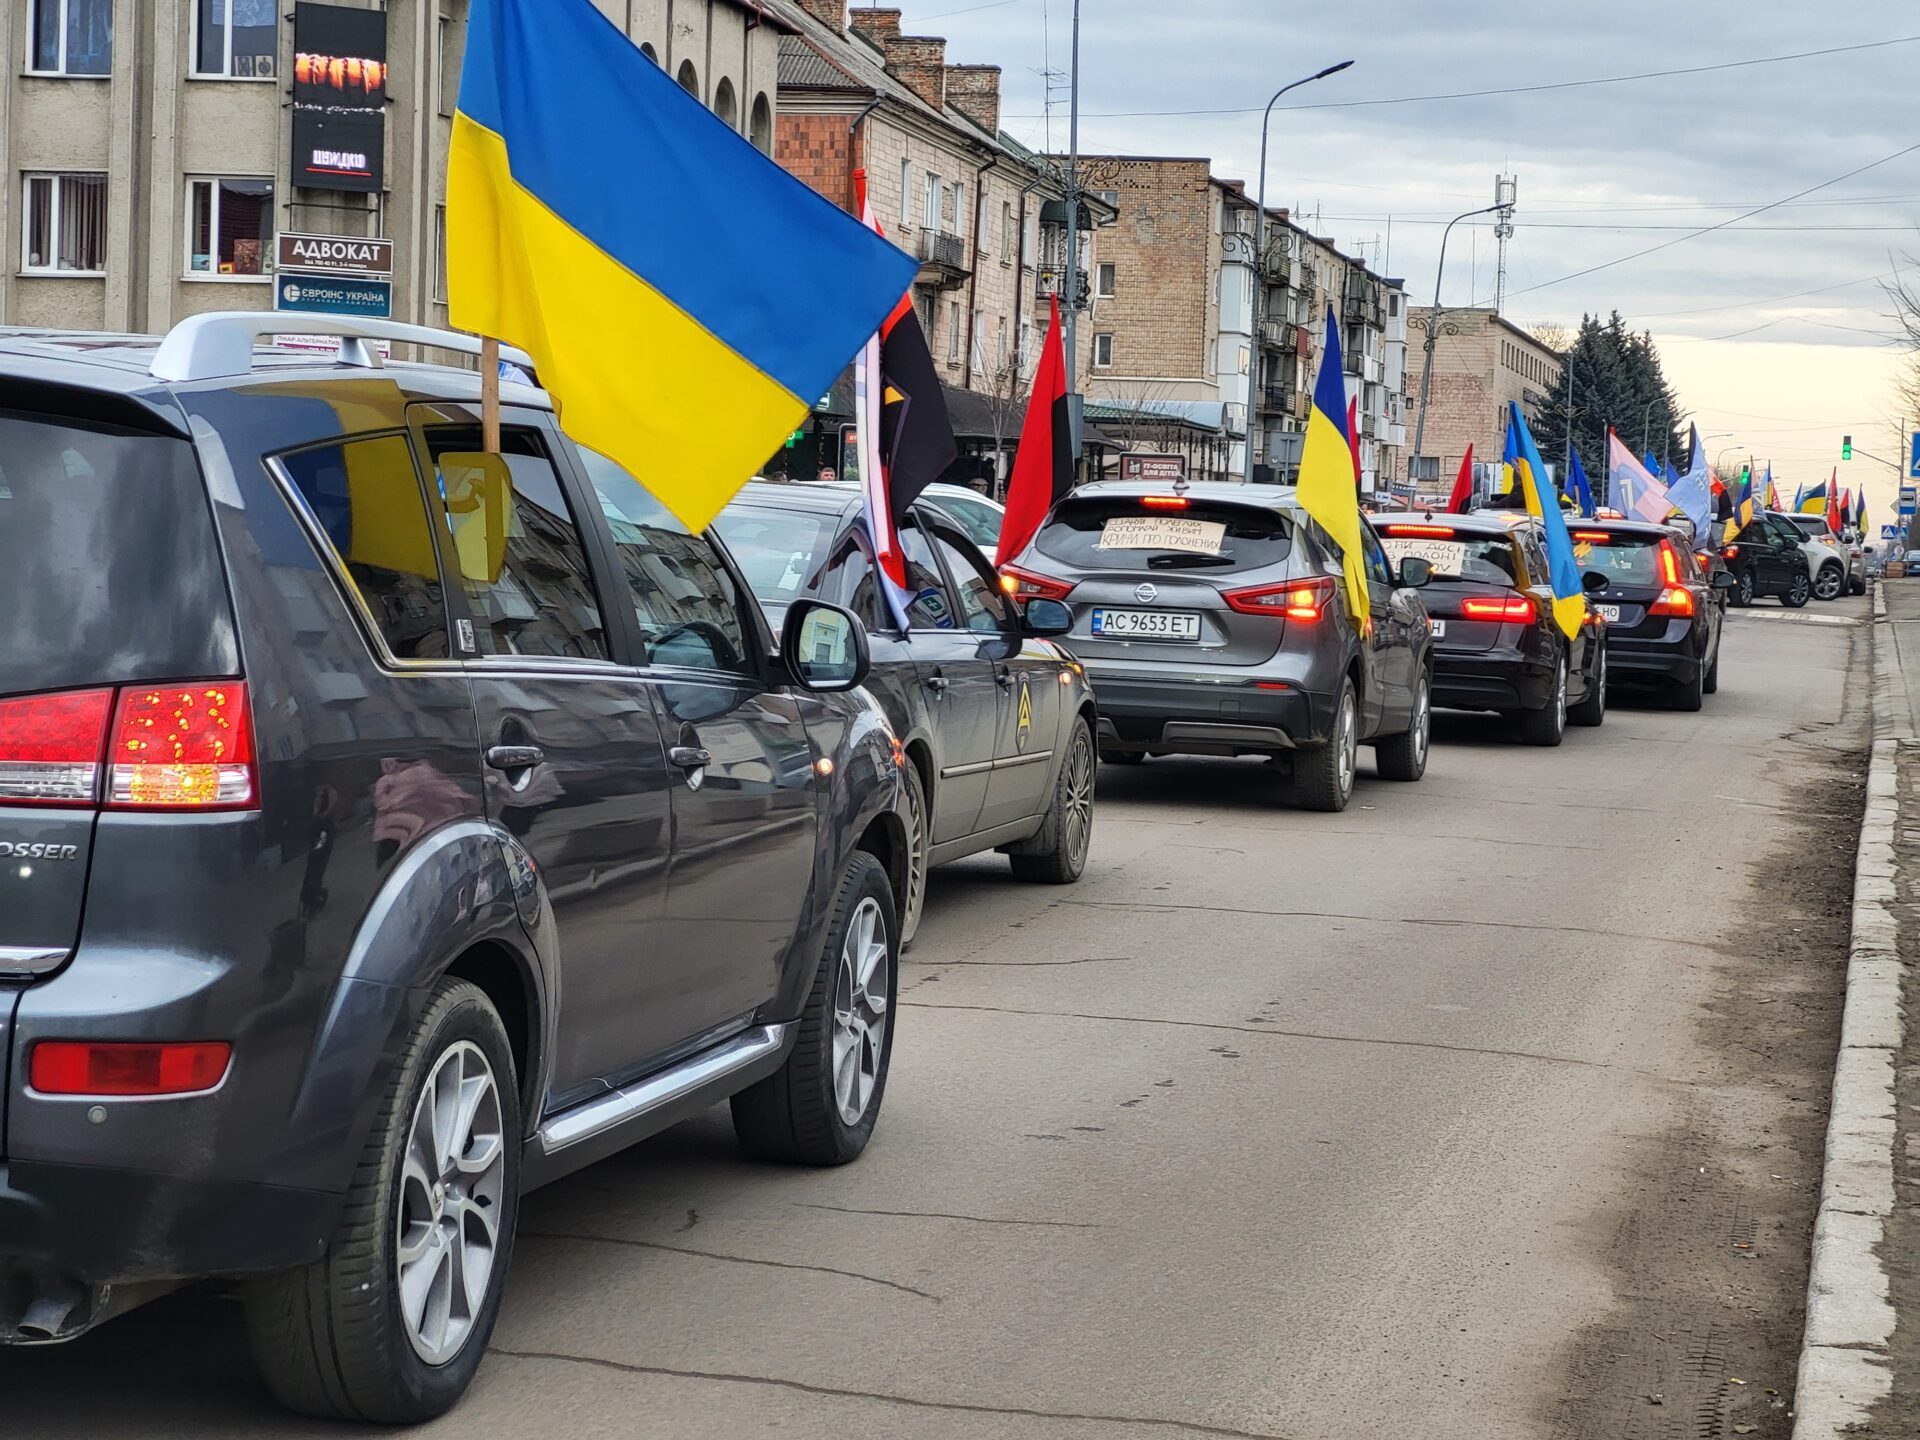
(1604,170)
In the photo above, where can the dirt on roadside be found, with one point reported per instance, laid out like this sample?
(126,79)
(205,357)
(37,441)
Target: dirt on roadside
(1710,1252)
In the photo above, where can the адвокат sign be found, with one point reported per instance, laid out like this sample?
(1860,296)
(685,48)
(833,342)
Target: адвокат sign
(339,97)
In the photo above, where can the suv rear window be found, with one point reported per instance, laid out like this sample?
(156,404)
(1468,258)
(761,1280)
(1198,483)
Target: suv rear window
(1625,559)
(1480,559)
(1199,536)
(109,571)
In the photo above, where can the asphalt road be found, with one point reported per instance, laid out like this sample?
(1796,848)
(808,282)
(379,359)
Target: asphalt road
(1489,1109)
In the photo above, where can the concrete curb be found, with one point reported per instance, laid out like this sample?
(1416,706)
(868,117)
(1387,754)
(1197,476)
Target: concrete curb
(1844,1367)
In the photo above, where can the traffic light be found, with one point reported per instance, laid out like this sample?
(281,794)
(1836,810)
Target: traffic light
(1846,447)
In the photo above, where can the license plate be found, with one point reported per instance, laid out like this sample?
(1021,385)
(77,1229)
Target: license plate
(1147,624)
(1608,613)
(1439,629)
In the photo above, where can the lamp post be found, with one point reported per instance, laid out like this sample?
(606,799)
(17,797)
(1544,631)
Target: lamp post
(1646,425)
(1433,332)
(1259,254)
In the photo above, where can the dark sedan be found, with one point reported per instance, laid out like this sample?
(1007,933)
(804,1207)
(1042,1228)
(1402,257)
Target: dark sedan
(1496,644)
(1663,611)
(997,719)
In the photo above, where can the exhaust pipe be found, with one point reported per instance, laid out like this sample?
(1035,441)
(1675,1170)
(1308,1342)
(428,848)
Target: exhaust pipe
(47,1317)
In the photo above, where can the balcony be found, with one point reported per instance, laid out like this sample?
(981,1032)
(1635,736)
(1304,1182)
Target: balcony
(1277,265)
(1052,280)
(943,260)
(1280,335)
(1277,397)
(1363,310)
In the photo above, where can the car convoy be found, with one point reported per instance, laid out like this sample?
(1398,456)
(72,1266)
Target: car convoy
(406,822)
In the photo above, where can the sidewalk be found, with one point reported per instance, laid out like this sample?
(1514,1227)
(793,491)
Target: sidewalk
(1860,1361)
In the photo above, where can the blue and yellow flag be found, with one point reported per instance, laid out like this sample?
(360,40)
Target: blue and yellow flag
(1509,463)
(1563,568)
(684,298)
(1579,490)
(1325,485)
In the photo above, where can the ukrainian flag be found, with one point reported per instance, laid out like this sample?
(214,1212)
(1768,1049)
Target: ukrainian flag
(1563,567)
(1325,486)
(684,298)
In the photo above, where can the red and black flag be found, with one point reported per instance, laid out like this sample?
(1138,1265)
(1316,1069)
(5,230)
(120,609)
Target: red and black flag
(909,420)
(1461,500)
(1043,465)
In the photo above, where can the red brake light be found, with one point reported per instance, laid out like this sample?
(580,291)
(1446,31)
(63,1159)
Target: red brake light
(1164,502)
(84,1067)
(1732,552)
(50,747)
(182,747)
(1027,584)
(1412,532)
(1673,601)
(1670,569)
(1508,609)
(1596,537)
(1295,600)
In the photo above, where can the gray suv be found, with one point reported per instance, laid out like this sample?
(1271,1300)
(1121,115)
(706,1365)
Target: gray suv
(1212,620)
(387,828)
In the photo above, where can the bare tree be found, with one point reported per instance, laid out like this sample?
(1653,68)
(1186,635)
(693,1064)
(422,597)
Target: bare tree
(1557,338)
(1008,382)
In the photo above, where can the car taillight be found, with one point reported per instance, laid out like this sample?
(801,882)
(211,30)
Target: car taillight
(1594,537)
(1670,566)
(1507,609)
(1705,557)
(1164,502)
(182,747)
(50,747)
(1732,552)
(86,1067)
(1411,532)
(1295,600)
(1673,601)
(1027,584)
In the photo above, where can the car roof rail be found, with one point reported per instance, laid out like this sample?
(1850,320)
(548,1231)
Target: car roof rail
(220,344)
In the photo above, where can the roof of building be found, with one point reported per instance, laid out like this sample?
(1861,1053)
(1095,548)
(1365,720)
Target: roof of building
(1494,317)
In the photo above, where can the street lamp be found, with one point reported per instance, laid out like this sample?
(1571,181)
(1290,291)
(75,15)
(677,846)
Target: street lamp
(1259,254)
(1433,332)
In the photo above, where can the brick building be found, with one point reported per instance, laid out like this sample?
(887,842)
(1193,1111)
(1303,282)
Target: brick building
(1480,362)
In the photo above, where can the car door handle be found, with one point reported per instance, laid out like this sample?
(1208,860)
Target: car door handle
(1005,677)
(515,757)
(938,684)
(690,757)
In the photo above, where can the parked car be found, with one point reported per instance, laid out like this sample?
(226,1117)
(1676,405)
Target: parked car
(400,828)
(979,516)
(1664,612)
(997,720)
(1212,620)
(1829,560)
(1769,557)
(1496,644)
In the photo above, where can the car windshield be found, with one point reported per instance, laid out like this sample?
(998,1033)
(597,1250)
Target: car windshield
(1127,533)
(974,514)
(1624,559)
(1480,559)
(778,550)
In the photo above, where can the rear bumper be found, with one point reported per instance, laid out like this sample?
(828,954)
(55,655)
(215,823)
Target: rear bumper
(1183,717)
(1649,661)
(1490,680)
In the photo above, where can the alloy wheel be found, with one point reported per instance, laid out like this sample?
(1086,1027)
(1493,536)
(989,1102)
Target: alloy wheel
(917,832)
(1079,798)
(1348,739)
(451,1182)
(1422,720)
(860,1006)
(1830,584)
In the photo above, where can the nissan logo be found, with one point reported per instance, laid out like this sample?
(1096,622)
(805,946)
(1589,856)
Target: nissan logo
(1145,592)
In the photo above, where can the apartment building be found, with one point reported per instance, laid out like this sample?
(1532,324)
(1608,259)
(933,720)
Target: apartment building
(154,151)
(1481,361)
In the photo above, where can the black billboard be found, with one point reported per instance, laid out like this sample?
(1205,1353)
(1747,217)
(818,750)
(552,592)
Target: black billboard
(339,97)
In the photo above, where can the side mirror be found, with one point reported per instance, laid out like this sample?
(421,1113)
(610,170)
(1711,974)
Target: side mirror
(479,496)
(1593,582)
(1047,617)
(824,647)
(1724,580)
(1416,573)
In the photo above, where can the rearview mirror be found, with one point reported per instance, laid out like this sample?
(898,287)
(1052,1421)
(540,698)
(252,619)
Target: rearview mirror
(478,489)
(1724,580)
(1047,617)
(1593,582)
(1415,572)
(824,647)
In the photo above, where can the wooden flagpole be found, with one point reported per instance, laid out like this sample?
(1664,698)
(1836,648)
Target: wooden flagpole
(490,395)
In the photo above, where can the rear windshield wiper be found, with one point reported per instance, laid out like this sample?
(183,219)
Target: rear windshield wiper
(1179,561)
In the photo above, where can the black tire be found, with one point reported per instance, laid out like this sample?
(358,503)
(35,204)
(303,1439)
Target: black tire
(1742,593)
(328,1338)
(1123,757)
(919,839)
(1318,779)
(1831,583)
(1057,854)
(1686,694)
(1593,709)
(1404,756)
(1856,587)
(1710,682)
(1547,726)
(1798,593)
(792,1116)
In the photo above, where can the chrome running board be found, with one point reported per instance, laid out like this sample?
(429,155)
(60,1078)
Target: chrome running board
(657,1092)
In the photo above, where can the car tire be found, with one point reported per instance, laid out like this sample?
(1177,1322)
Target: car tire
(1742,593)
(919,818)
(820,1106)
(334,1338)
(1686,694)
(1323,775)
(1797,592)
(1404,756)
(1830,584)
(1710,682)
(1057,852)
(1593,710)
(1548,725)
(1856,587)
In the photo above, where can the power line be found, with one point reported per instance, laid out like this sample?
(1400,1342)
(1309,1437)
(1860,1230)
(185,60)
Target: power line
(1516,89)
(1603,225)
(1771,299)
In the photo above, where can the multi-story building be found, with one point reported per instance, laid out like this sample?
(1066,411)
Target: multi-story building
(1481,361)
(149,146)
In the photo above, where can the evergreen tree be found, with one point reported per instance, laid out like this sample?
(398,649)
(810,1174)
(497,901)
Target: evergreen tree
(1617,380)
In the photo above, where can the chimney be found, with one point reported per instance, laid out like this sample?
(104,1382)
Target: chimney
(917,61)
(974,90)
(827,12)
(879,26)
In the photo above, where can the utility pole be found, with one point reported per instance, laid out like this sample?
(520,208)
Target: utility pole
(1568,464)
(1434,318)
(1071,284)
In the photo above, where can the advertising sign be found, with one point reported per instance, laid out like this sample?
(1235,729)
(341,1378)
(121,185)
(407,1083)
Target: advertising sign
(333,254)
(325,344)
(360,296)
(1156,469)
(339,97)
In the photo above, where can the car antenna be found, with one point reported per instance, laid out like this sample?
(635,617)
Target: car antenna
(1180,484)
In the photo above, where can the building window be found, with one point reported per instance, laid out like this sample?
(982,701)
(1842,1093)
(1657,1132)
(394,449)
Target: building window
(959,207)
(234,39)
(452,40)
(1103,349)
(953,332)
(651,53)
(1006,232)
(1104,275)
(689,78)
(983,226)
(760,124)
(70,37)
(1112,197)
(979,342)
(724,105)
(906,194)
(229,227)
(440,254)
(1026,346)
(930,201)
(66,225)
(1030,242)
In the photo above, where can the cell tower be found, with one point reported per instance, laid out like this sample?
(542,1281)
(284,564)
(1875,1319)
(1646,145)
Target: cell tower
(1505,189)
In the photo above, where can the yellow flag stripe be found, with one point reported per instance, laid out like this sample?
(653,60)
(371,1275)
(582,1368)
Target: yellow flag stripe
(1326,491)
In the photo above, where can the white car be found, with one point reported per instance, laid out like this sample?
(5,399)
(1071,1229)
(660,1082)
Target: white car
(1829,563)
